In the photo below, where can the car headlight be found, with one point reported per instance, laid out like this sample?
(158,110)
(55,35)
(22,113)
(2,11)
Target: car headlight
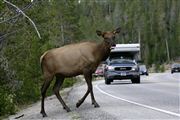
(110,68)
(134,68)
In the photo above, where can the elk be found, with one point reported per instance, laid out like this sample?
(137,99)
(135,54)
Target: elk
(72,60)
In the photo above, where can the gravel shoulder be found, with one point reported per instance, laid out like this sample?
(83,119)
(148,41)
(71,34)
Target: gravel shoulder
(53,109)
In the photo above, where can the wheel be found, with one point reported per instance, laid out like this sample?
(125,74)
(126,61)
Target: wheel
(171,72)
(107,81)
(95,76)
(135,80)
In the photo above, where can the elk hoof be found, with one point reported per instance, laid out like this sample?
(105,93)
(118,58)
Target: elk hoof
(78,104)
(96,105)
(68,110)
(44,114)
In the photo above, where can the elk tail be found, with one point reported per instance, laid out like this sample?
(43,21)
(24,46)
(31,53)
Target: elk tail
(42,58)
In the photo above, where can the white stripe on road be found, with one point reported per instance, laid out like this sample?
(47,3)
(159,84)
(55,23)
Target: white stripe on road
(139,104)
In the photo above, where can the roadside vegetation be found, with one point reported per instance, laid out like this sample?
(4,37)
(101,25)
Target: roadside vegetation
(153,23)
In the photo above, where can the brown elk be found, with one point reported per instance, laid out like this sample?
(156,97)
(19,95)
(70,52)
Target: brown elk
(72,60)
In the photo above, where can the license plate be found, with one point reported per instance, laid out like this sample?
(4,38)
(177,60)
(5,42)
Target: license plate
(123,74)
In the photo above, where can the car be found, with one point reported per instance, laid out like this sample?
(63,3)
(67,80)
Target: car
(143,70)
(118,69)
(175,68)
(99,71)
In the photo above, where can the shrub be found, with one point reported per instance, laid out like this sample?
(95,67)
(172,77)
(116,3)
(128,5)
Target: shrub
(7,105)
(68,82)
(162,68)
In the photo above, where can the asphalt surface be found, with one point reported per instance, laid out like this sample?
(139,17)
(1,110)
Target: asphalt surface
(156,98)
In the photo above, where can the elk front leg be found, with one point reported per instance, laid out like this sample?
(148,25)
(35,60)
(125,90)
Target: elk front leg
(90,87)
(88,78)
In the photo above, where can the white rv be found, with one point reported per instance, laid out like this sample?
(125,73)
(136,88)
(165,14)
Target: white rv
(129,51)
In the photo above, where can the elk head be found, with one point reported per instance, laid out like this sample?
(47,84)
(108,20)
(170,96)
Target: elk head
(109,36)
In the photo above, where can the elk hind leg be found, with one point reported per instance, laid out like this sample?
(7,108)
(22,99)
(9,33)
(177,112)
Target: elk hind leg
(56,88)
(43,93)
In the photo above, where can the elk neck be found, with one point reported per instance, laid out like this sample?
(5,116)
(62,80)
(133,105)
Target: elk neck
(104,49)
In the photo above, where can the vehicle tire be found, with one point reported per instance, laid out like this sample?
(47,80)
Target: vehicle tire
(95,76)
(135,80)
(171,72)
(107,81)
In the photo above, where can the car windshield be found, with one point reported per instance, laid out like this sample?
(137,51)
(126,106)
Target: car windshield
(176,65)
(121,61)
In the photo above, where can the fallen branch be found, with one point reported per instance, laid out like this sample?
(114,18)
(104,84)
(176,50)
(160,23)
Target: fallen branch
(19,10)
(19,116)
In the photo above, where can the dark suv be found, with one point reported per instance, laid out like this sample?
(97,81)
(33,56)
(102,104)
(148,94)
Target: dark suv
(175,68)
(121,69)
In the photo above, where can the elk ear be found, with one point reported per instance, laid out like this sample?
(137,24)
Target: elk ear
(117,30)
(99,33)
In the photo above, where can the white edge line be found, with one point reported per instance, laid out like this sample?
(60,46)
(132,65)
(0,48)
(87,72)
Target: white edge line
(139,104)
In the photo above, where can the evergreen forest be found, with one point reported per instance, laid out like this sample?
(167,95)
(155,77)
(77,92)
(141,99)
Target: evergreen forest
(155,24)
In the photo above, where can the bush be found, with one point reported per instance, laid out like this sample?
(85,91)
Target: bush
(68,82)
(28,93)
(162,68)
(159,68)
(7,105)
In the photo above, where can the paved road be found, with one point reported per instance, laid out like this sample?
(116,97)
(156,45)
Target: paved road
(157,97)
